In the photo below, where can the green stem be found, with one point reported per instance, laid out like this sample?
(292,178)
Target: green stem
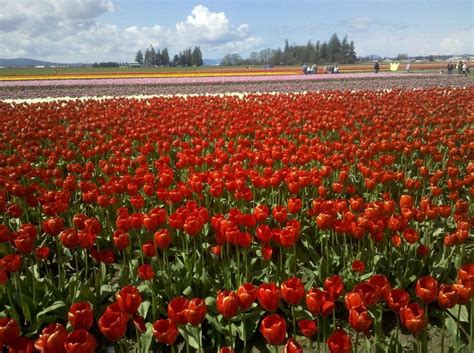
(471,329)
(356,344)
(443,320)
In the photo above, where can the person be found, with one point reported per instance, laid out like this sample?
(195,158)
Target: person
(376,67)
(336,69)
(314,69)
(305,69)
(450,68)
(460,67)
(464,69)
(408,67)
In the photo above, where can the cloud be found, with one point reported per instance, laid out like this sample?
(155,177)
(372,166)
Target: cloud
(361,23)
(69,31)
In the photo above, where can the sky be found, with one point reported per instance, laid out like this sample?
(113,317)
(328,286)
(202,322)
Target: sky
(113,30)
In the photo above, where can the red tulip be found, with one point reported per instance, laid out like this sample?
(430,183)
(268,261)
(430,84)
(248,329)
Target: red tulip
(334,285)
(268,296)
(176,310)
(292,291)
(226,350)
(413,318)
(162,239)
(397,299)
(358,266)
(353,299)
(448,296)
(129,299)
(359,319)
(273,329)
(382,285)
(22,345)
(466,271)
(280,214)
(165,331)
(227,303)
(247,294)
(196,311)
(80,316)
(145,272)
(121,239)
(294,205)
(113,322)
(319,302)
(308,327)
(9,331)
(339,342)
(80,341)
(426,289)
(52,339)
(292,346)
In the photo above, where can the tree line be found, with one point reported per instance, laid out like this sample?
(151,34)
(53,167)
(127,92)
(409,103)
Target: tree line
(328,52)
(159,57)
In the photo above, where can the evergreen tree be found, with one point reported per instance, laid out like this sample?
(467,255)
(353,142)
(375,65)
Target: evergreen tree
(176,60)
(139,57)
(334,49)
(196,57)
(152,56)
(165,57)
(146,58)
(158,60)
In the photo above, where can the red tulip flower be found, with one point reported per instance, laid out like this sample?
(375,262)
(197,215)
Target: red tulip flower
(319,302)
(22,345)
(426,289)
(413,317)
(268,296)
(292,346)
(113,322)
(247,294)
(273,329)
(359,319)
(292,291)
(358,266)
(52,339)
(129,299)
(162,239)
(176,310)
(145,272)
(196,311)
(165,331)
(226,350)
(448,296)
(80,316)
(308,327)
(80,341)
(397,299)
(279,213)
(227,303)
(9,331)
(334,285)
(339,342)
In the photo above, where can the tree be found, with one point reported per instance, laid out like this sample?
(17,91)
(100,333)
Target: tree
(139,57)
(152,56)
(334,49)
(165,57)
(147,58)
(196,57)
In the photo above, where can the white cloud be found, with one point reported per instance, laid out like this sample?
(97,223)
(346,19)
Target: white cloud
(361,23)
(69,31)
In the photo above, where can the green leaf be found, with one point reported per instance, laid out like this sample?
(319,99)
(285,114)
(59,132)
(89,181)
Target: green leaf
(147,338)
(57,309)
(191,335)
(143,309)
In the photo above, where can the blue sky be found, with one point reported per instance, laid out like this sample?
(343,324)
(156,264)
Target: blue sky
(103,30)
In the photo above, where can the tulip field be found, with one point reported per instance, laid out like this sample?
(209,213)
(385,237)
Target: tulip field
(333,222)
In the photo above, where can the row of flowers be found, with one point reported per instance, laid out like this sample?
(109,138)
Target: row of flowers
(18,90)
(273,327)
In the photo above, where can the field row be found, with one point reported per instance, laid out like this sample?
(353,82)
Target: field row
(310,83)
